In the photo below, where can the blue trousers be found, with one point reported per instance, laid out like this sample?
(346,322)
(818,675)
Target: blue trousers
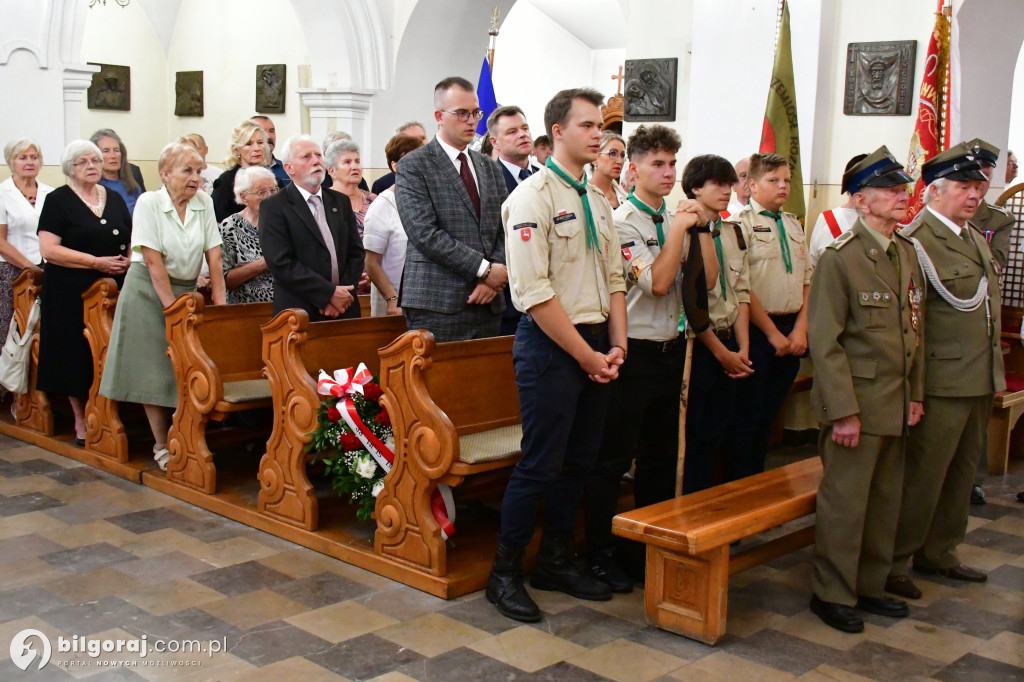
(563,413)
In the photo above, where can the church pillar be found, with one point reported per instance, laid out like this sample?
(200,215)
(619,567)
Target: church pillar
(346,109)
(77,79)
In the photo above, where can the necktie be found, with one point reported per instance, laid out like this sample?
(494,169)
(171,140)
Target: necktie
(721,258)
(467,180)
(581,189)
(783,240)
(657,216)
(524,173)
(894,258)
(316,203)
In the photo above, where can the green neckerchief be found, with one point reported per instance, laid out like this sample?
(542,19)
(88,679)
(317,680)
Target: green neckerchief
(657,216)
(721,258)
(581,189)
(783,240)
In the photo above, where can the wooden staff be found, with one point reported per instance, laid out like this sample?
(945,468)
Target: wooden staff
(684,394)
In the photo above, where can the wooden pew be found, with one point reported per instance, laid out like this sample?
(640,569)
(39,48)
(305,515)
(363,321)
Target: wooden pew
(688,538)
(217,361)
(104,432)
(1008,405)
(294,352)
(31,409)
(454,408)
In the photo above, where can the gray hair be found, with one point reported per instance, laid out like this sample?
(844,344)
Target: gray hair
(286,149)
(408,124)
(247,177)
(334,136)
(175,153)
(15,147)
(338,148)
(74,151)
(931,190)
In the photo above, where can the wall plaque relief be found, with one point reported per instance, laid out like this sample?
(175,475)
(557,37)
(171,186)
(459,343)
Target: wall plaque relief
(188,93)
(651,89)
(270,92)
(879,78)
(111,88)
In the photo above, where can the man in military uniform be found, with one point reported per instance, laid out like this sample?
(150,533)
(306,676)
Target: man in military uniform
(646,396)
(721,353)
(963,369)
(780,277)
(864,332)
(996,224)
(566,277)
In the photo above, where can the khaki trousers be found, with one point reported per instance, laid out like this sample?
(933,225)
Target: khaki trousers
(942,458)
(858,508)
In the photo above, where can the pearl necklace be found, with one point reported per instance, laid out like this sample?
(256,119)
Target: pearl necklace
(100,199)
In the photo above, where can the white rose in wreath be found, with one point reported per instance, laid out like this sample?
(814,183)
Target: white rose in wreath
(366,466)
(377,487)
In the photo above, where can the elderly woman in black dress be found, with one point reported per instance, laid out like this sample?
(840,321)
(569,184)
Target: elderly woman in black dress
(84,233)
(174,230)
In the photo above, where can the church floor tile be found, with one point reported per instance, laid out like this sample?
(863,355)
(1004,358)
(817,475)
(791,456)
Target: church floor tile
(84,553)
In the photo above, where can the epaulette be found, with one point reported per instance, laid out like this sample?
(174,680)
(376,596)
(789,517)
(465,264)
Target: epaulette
(740,241)
(841,241)
(734,218)
(901,235)
(1002,209)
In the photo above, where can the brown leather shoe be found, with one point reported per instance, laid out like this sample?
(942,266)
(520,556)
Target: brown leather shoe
(903,586)
(961,572)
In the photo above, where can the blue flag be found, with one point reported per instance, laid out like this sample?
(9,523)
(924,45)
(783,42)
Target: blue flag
(485,93)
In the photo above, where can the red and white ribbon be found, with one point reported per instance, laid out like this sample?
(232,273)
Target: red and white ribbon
(344,384)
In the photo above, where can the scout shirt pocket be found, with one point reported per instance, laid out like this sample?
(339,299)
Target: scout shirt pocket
(566,242)
(875,308)
(763,244)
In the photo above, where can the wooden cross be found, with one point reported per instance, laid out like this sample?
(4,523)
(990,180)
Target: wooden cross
(619,78)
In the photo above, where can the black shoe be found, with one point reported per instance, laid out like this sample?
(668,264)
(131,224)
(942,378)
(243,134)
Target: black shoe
(505,587)
(837,615)
(961,572)
(605,567)
(884,606)
(977,496)
(903,586)
(555,572)
(1020,496)
(80,442)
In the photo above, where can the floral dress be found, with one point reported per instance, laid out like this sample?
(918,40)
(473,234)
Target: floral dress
(242,245)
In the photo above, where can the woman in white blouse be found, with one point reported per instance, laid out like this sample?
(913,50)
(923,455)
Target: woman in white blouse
(21,200)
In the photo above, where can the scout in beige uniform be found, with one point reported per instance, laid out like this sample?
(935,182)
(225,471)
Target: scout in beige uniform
(721,354)
(963,369)
(780,275)
(566,277)
(865,337)
(646,396)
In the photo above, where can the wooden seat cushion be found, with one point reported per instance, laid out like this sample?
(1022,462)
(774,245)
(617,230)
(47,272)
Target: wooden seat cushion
(717,516)
(491,446)
(245,391)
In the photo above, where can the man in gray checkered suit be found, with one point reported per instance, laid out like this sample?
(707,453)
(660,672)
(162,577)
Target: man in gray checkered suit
(449,199)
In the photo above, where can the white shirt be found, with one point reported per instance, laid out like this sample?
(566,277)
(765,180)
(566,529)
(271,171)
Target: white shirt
(383,233)
(946,221)
(735,207)
(514,169)
(821,234)
(21,218)
(156,225)
(306,195)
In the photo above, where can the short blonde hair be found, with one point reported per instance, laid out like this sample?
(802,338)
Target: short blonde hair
(174,153)
(240,136)
(16,147)
(74,151)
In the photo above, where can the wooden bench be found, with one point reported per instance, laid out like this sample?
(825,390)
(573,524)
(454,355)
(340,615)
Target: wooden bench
(104,432)
(294,351)
(218,364)
(688,538)
(32,408)
(1008,405)
(455,413)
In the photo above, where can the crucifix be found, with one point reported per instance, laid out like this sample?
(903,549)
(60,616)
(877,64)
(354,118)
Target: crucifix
(619,77)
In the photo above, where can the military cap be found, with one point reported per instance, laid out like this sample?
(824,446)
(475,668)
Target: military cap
(850,164)
(955,163)
(878,169)
(985,153)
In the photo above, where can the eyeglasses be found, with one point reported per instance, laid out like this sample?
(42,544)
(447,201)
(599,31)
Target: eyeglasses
(88,162)
(263,193)
(615,154)
(464,115)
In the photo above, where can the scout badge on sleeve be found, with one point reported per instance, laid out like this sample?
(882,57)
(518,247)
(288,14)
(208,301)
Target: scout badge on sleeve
(525,230)
(636,269)
(626,253)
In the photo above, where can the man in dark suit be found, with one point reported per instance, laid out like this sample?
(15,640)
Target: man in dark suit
(510,136)
(449,199)
(310,240)
(412,129)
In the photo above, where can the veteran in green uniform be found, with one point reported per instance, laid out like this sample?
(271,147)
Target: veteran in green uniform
(963,369)
(864,333)
(994,222)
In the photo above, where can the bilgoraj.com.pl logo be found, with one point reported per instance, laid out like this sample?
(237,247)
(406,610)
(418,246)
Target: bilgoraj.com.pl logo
(23,648)
(30,645)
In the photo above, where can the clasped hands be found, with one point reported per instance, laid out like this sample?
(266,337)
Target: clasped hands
(603,367)
(111,265)
(488,287)
(341,299)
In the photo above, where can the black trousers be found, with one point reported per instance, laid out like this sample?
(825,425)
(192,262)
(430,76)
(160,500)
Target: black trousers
(759,400)
(643,422)
(710,415)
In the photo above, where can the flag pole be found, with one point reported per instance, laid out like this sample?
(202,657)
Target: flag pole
(493,33)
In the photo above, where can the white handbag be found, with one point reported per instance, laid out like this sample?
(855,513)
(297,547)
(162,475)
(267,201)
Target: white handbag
(15,355)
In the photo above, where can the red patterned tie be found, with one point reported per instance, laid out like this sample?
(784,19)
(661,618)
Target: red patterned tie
(467,180)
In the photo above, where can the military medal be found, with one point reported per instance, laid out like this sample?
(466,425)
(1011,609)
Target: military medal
(914,296)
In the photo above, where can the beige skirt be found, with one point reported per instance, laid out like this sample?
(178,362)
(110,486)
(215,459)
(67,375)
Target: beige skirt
(137,368)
